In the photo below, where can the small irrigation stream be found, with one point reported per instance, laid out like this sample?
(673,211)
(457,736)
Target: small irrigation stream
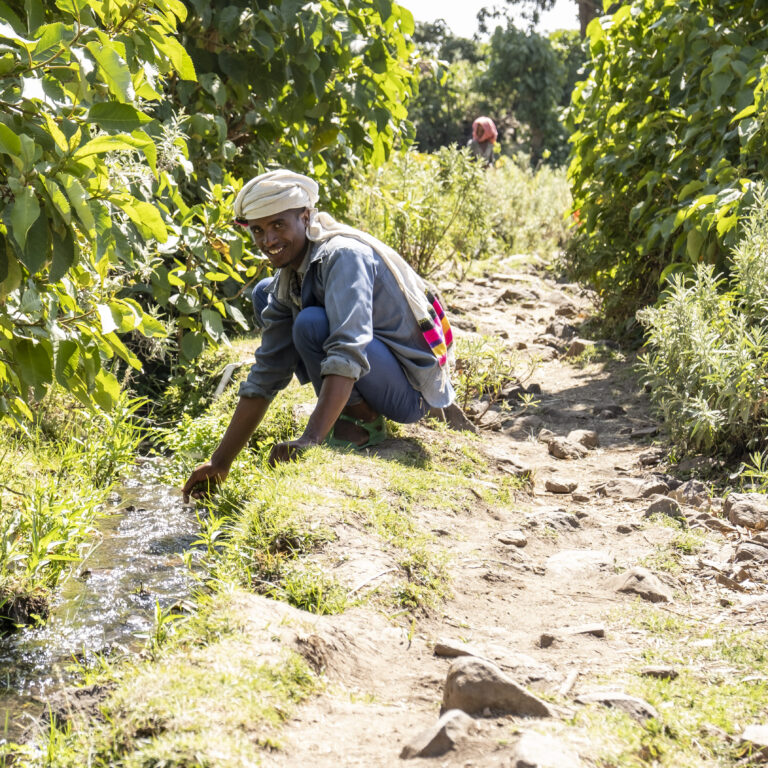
(108,603)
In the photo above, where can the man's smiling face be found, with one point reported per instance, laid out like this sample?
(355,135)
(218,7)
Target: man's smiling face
(282,237)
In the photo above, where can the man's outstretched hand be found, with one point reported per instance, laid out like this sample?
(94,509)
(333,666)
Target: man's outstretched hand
(289,450)
(203,481)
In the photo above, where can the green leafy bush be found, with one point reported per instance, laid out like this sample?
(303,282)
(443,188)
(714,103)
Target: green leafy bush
(670,133)
(707,358)
(527,207)
(430,208)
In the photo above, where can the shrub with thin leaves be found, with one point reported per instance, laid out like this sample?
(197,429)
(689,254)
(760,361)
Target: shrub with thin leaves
(430,208)
(707,358)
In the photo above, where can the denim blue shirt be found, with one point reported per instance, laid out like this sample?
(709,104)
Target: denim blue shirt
(362,300)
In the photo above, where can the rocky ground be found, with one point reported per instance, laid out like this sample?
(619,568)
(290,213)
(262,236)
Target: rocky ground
(544,588)
(608,611)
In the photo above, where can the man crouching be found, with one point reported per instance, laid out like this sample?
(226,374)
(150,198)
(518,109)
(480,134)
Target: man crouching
(343,311)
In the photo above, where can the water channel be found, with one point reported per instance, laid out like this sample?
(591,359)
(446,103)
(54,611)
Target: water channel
(108,602)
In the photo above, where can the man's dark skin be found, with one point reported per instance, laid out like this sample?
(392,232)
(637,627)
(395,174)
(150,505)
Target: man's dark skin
(282,238)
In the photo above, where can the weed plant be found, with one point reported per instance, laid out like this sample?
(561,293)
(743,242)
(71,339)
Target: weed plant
(431,208)
(527,207)
(707,349)
(54,480)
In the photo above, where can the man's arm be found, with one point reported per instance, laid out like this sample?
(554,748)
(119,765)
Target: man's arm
(247,416)
(334,393)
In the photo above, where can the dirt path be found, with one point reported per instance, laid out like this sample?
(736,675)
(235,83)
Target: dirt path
(543,562)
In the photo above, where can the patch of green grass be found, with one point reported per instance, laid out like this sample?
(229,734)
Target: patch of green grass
(596,353)
(722,686)
(668,557)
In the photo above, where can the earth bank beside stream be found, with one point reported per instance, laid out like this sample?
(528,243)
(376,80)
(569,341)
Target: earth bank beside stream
(580,599)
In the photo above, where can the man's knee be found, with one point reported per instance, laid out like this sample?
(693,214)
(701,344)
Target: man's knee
(259,298)
(310,327)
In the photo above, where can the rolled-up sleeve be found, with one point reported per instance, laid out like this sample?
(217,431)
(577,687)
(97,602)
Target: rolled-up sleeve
(276,358)
(348,275)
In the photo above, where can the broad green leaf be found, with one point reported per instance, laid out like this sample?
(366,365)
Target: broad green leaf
(3,258)
(234,312)
(694,244)
(10,143)
(64,255)
(26,211)
(60,202)
(37,249)
(117,116)
(34,365)
(175,52)
(113,68)
(67,356)
(79,199)
(213,325)
(106,390)
(108,324)
(147,218)
(73,7)
(192,345)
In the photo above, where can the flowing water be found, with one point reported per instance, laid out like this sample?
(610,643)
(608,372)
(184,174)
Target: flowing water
(108,603)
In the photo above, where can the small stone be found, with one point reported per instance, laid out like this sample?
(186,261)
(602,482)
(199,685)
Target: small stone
(663,505)
(748,551)
(513,295)
(660,672)
(545,435)
(611,409)
(444,735)
(473,684)
(586,437)
(553,485)
(513,538)
(756,734)
(596,630)
(561,448)
(624,528)
(575,563)
(567,310)
(693,493)
(747,509)
(452,649)
(640,581)
(523,426)
(536,750)
(640,432)
(548,639)
(521,345)
(654,488)
(582,497)
(651,457)
(637,708)
(561,330)
(577,346)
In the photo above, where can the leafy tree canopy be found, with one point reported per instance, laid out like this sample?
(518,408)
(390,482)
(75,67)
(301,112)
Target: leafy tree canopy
(115,230)
(670,135)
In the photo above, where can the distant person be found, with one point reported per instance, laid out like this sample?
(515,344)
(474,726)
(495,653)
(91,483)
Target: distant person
(484,135)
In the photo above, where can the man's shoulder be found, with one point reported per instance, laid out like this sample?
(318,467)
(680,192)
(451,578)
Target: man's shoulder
(340,243)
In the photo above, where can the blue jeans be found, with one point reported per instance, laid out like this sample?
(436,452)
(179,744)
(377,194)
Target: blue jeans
(384,388)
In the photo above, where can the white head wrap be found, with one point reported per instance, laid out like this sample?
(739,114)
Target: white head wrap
(275,192)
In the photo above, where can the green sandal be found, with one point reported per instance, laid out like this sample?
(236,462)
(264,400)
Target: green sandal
(376,429)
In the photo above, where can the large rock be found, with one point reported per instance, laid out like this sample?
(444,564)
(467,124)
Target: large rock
(747,551)
(640,581)
(535,750)
(560,485)
(586,437)
(444,735)
(664,505)
(523,426)
(577,346)
(747,509)
(654,488)
(637,708)
(693,493)
(757,735)
(474,685)
(561,448)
